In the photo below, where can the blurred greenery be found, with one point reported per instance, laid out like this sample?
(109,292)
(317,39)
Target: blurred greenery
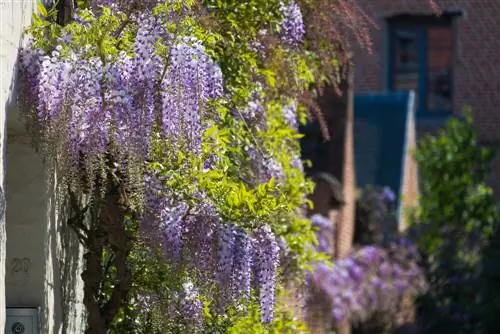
(455,220)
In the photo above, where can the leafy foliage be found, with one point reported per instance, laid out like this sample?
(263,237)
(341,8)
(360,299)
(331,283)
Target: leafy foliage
(456,219)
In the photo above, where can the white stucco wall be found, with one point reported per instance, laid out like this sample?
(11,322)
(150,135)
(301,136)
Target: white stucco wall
(14,15)
(40,257)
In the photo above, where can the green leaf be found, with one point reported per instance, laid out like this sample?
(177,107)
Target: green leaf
(211,130)
(41,9)
(37,19)
(271,182)
(261,189)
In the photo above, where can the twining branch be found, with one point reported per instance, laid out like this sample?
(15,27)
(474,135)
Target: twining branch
(100,227)
(77,221)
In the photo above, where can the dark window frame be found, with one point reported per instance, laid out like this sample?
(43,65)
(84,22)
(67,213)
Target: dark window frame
(419,24)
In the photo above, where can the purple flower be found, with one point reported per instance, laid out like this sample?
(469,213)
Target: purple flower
(172,231)
(225,254)
(321,222)
(338,314)
(290,114)
(191,306)
(53,78)
(324,234)
(366,281)
(242,265)
(292,27)
(190,82)
(88,123)
(388,195)
(254,113)
(266,260)
(385,269)
(199,233)
(296,162)
(130,103)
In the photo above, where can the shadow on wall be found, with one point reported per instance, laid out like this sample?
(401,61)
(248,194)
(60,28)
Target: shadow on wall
(73,315)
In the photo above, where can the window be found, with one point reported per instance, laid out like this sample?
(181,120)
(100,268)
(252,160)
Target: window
(421,59)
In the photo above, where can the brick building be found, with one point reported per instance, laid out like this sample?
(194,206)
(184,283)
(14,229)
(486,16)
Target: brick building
(449,60)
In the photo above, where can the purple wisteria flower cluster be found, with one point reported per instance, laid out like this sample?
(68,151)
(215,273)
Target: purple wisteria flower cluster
(290,114)
(213,250)
(325,233)
(113,106)
(291,30)
(254,113)
(292,27)
(266,255)
(263,165)
(372,279)
(191,80)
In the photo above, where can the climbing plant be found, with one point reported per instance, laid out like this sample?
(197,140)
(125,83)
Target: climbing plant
(457,219)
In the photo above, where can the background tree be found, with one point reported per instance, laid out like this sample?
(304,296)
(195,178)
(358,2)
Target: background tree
(457,215)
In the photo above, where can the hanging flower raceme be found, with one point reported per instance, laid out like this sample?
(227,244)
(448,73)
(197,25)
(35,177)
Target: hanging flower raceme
(254,113)
(212,250)
(191,306)
(88,123)
(242,265)
(290,114)
(111,107)
(52,82)
(190,81)
(292,27)
(266,261)
(225,254)
(67,92)
(325,233)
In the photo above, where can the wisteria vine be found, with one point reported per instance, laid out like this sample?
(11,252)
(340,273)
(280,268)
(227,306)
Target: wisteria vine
(130,101)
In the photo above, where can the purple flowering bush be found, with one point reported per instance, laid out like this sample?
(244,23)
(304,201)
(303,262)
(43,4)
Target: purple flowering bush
(372,282)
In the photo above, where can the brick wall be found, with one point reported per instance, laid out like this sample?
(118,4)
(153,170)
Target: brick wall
(476,68)
(337,159)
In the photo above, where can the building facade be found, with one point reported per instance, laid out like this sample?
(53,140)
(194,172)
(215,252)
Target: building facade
(449,60)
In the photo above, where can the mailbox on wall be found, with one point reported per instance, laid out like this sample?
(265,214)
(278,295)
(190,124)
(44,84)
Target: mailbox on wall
(22,320)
